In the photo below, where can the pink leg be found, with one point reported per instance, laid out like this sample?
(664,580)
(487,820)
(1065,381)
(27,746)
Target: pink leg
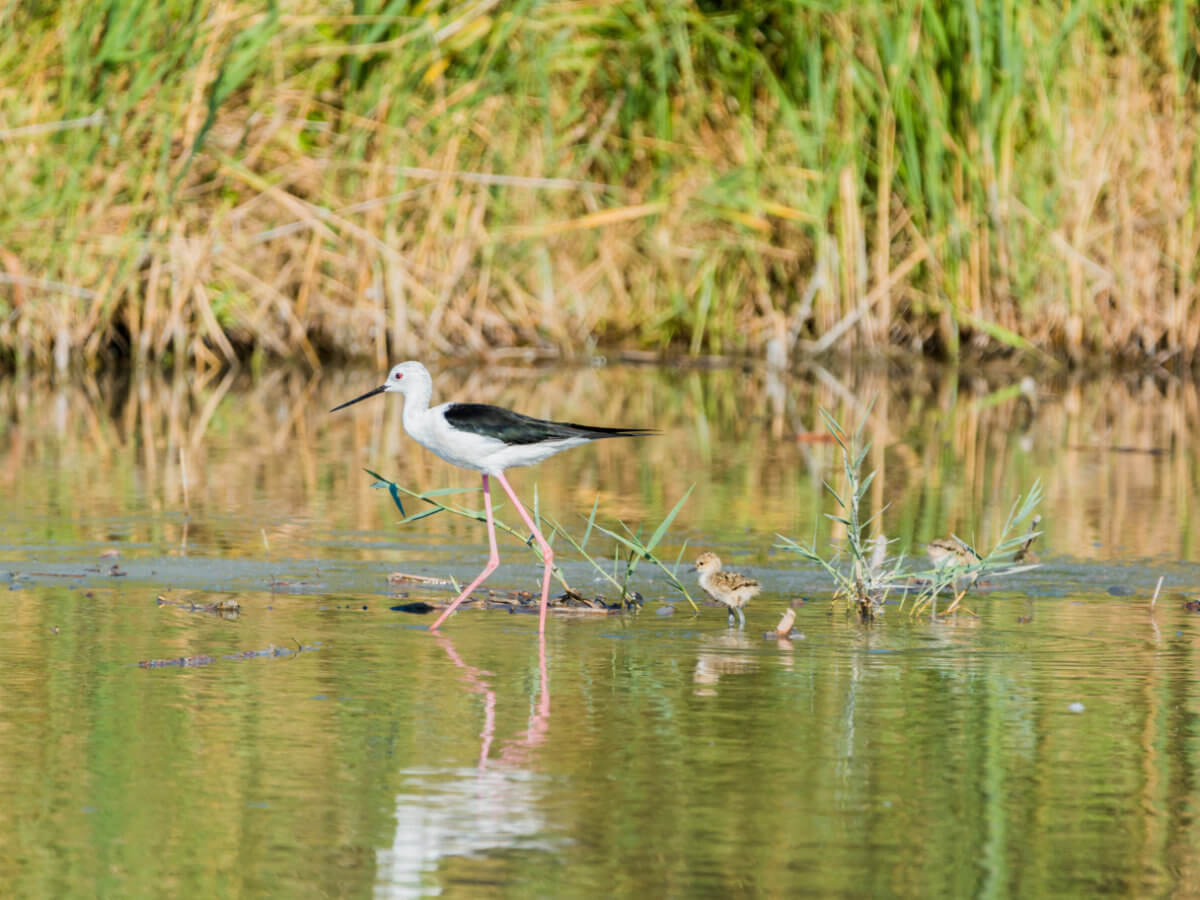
(547,553)
(493,560)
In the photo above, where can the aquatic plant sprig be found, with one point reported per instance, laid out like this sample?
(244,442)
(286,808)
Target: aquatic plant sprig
(581,548)
(997,563)
(871,576)
(867,582)
(638,550)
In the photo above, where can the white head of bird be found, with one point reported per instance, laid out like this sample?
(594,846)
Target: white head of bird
(409,378)
(708,562)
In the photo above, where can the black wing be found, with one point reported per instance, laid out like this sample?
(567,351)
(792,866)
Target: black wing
(514,428)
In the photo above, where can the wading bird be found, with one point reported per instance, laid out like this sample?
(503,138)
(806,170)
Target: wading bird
(730,588)
(489,440)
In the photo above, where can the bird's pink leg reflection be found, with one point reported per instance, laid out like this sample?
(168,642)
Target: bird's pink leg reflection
(474,678)
(516,750)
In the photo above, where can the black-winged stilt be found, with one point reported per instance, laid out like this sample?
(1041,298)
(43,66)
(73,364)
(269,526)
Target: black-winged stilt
(488,439)
(730,588)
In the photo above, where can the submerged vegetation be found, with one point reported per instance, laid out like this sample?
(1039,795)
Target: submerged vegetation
(194,182)
(871,576)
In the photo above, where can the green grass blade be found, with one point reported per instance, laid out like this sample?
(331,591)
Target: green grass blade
(666,523)
(423,515)
(587,532)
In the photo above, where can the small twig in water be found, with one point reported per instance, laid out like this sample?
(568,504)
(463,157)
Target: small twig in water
(1157,588)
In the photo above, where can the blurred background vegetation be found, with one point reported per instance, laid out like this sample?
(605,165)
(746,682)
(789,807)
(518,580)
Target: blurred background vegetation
(189,182)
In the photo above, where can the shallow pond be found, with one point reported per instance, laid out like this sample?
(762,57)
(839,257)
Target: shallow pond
(320,743)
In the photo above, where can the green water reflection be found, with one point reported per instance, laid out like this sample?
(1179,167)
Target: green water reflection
(668,756)
(257,467)
(652,755)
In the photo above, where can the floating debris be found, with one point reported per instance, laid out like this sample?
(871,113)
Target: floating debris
(405,578)
(784,628)
(225,607)
(179,661)
(205,659)
(1076,707)
(568,601)
(271,652)
(417,606)
(522,602)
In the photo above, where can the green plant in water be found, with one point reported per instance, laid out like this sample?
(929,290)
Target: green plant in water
(636,548)
(961,570)
(872,575)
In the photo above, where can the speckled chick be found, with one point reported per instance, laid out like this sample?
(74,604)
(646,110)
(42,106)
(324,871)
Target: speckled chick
(730,588)
(950,552)
(953,554)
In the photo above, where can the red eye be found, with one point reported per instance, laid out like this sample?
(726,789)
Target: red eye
(397,376)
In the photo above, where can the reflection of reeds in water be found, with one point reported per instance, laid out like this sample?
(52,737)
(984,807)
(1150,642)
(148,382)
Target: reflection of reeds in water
(1115,456)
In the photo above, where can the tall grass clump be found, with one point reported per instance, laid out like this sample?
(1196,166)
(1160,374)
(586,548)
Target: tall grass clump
(198,182)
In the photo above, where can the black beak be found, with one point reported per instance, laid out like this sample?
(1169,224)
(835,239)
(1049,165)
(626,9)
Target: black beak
(378,390)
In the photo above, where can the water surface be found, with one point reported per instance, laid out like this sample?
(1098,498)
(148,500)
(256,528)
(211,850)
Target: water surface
(322,744)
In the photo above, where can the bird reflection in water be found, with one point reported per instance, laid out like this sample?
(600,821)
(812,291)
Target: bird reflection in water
(446,816)
(517,749)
